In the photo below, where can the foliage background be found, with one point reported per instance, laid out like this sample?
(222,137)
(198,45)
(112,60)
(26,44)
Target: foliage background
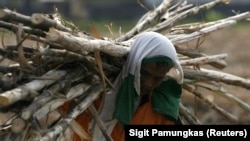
(122,15)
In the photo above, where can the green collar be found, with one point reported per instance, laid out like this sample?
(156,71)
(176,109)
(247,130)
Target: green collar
(165,99)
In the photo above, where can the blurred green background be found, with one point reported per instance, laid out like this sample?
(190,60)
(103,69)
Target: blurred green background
(118,15)
(122,15)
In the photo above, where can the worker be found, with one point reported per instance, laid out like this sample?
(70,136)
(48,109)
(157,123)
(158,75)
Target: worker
(144,94)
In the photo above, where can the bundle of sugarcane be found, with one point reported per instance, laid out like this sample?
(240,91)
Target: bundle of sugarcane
(68,64)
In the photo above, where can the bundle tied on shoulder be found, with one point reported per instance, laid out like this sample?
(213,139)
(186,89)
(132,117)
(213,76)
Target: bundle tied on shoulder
(122,102)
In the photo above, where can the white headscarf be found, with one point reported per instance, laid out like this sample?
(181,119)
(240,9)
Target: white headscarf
(147,45)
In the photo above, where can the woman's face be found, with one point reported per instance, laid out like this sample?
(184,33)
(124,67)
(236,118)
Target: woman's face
(152,75)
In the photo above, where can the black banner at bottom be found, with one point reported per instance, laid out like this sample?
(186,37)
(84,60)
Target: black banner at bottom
(186,132)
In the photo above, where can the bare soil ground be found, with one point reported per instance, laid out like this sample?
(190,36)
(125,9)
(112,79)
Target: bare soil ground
(233,41)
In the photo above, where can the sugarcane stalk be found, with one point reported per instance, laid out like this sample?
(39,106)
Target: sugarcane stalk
(22,92)
(219,64)
(222,92)
(6,69)
(202,32)
(202,60)
(5,129)
(71,55)
(212,105)
(66,44)
(10,137)
(184,112)
(197,26)
(5,126)
(8,81)
(13,55)
(22,60)
(160,27)
(99,122)
(45,23)
(82,106)
(241,16)
(18,125)
(50,93)
(13,28)
(12,16)
(41,100)
(205,74)
(26,49)
(179,9)
(44,41)
(56,60)
(59,53)
(39,21)
(76,44)
(161,9)
(56,102)
(81,45)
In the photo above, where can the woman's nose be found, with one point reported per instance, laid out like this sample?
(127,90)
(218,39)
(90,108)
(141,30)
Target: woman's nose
(148,84)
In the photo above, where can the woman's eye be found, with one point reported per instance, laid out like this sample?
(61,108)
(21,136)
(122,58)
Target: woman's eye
(159,78)
(144,73)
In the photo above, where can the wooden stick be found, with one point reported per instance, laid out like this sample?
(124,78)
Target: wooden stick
(18,125)
(44,41)
(219,64)
(81,45)
(71,55)
(8,81)
(150,17)
(22,60)
(41,100)
(99,123)
(6,69)
(218,89)
(5,129)
(10,137)
(22,92)
(74,92)
(13,28)
(184,112)
(82,106)
(202,60)
(50,93)
(160,27)
(13,55)
(191,27)
(202,32)
(8,15)
(45,23)
(211,104)
(211,75)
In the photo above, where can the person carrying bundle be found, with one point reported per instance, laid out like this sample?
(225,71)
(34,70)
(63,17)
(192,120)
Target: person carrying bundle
(144,94)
